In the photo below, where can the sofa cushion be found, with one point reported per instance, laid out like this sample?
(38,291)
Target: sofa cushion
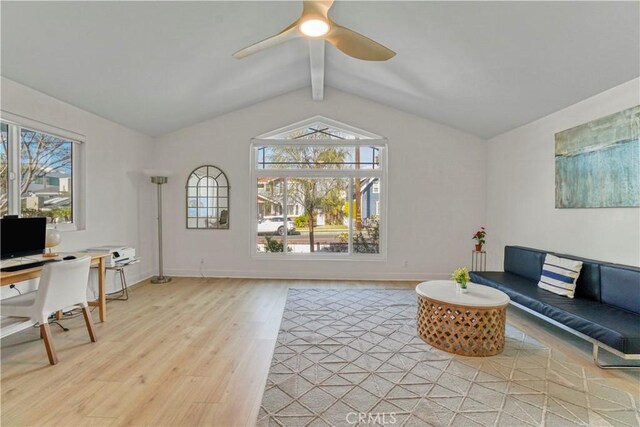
(523,291)
(505,282)
(587,286)
(524,262)
(617,328)
(559,275)
(620,286)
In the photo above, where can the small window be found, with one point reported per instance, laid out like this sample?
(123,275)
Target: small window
(208,199)
(39,179)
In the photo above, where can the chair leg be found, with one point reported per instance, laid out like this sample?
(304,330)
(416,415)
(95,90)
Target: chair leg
(48,343)
(123,293)
(87,319)
(125,288)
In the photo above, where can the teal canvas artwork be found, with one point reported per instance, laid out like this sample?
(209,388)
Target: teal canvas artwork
(598,163)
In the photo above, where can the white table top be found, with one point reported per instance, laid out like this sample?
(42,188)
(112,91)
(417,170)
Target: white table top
(476,295)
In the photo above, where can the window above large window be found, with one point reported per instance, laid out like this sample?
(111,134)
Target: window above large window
(319,192)
(37,174)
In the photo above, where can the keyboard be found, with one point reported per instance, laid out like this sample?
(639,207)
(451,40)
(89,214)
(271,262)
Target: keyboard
(28,265)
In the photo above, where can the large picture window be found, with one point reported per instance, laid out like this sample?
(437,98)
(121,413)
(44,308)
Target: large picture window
(37,175)
(319,191)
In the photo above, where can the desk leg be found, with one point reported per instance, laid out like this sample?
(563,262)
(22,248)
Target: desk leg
(102,296)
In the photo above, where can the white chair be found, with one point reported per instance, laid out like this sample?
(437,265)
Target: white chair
(62,284)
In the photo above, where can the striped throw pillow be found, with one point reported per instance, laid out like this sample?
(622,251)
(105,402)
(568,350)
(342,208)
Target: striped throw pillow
(559,275)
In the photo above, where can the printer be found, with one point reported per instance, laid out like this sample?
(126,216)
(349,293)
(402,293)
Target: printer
(119,254)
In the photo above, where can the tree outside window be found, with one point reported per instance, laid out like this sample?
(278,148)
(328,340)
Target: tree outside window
(325,177)
(44,173)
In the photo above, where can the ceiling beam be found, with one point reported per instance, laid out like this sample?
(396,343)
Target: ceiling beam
(316,60)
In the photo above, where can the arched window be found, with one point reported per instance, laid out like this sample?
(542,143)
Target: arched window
(208,198)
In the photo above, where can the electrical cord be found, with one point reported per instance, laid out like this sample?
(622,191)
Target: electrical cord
(16,289)
(67,315)
(55,322)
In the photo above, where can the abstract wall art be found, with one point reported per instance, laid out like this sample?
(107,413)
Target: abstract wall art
(598,163)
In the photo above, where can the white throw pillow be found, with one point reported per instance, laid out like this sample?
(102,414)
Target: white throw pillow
(559,275)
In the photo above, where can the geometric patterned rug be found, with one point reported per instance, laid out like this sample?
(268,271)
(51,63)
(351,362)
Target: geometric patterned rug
(352,357)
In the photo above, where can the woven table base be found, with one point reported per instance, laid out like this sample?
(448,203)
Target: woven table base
(463,330)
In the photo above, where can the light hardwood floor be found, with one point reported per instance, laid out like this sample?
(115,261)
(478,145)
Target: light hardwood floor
(192,352)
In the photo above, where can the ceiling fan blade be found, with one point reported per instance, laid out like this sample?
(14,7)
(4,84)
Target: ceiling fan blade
(316,7)
(356,45)
(288,33)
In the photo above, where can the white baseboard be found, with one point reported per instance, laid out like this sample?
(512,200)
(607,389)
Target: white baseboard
(359,275)
(138,278)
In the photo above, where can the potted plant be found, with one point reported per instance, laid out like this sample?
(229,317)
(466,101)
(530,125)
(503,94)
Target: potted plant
(461,277)
(479,238)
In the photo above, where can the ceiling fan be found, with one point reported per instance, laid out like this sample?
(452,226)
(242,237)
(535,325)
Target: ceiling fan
(315,24)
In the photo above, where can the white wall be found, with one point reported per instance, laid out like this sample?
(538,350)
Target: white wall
(436,191)
(119,201)
(438,179)
(521,190)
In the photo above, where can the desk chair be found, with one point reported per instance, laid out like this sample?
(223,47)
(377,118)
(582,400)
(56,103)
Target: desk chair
(62,284)
(11,325)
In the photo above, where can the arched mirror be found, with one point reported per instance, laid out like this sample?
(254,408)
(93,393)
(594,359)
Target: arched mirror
(208,199)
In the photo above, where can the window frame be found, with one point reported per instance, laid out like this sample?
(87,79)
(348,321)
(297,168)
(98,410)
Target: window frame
(16,124)
(367,140)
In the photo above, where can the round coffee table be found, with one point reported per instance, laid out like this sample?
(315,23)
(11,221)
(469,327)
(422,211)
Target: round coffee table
(468,324)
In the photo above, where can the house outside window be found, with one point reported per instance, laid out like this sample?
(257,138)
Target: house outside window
(38,174)
(324,173)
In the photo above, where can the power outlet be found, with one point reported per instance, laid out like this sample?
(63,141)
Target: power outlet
(405,263)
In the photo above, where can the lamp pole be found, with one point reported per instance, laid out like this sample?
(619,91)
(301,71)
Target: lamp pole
(160,278)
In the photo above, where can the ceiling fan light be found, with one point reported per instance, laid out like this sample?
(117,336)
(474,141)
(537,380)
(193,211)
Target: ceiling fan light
(314,28)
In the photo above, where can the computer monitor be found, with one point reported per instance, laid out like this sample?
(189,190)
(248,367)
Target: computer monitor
(22,236)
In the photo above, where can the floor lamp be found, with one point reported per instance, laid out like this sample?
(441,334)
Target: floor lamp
(159,177)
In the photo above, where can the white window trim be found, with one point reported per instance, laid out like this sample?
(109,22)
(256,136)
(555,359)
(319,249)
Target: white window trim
(18,122)
(363,134)
(381,173)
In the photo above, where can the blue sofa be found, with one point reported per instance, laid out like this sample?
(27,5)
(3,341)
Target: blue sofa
(605,310)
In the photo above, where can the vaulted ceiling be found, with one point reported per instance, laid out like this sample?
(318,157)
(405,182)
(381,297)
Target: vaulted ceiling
(482,67)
